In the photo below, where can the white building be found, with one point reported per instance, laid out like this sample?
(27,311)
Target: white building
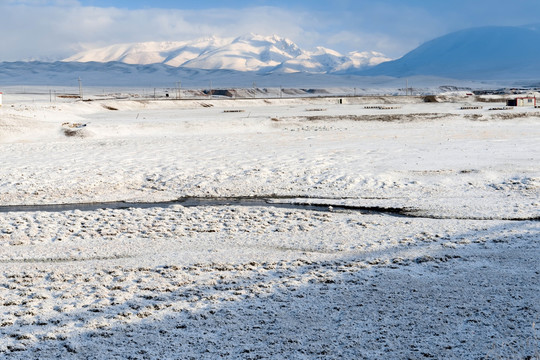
(522,101)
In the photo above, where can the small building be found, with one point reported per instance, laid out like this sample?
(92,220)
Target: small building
(522,101)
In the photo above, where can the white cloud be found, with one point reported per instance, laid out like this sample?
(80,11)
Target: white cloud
(56,31)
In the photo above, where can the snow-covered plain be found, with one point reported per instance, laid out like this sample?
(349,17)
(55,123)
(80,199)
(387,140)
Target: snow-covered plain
(445,265)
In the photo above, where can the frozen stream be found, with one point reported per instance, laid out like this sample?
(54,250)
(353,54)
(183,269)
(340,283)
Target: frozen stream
(297,203)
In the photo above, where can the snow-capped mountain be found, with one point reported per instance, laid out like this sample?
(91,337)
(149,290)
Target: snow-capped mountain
(494,52)
(173,53)
(487,53)
(362,60)
(245,53)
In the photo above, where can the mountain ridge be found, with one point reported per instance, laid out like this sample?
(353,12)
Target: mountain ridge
(249,52)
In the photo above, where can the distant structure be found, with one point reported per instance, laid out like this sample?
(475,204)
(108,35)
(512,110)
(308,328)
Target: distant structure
(522,101)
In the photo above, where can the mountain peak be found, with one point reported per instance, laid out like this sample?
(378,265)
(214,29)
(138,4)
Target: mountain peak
(257,37)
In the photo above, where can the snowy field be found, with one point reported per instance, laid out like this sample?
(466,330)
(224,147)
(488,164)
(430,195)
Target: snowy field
(412,232)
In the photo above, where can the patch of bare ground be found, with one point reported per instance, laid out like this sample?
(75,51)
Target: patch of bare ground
(75,130)
(490,99)
(431,99)
(477,117)
(410,117)
(520,115)
(381,117)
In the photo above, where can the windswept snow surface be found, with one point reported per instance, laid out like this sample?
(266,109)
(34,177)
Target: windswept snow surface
(458,277)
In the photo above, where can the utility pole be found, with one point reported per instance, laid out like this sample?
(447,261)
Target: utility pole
(80,89)
(407,89)
(178,85)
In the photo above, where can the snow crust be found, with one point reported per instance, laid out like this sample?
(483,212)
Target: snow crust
(459,279)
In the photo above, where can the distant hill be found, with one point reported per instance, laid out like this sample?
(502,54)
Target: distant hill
(490,53)
(246,53)
(159,75)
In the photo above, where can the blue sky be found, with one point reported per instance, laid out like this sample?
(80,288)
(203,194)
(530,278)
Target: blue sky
(54,29)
